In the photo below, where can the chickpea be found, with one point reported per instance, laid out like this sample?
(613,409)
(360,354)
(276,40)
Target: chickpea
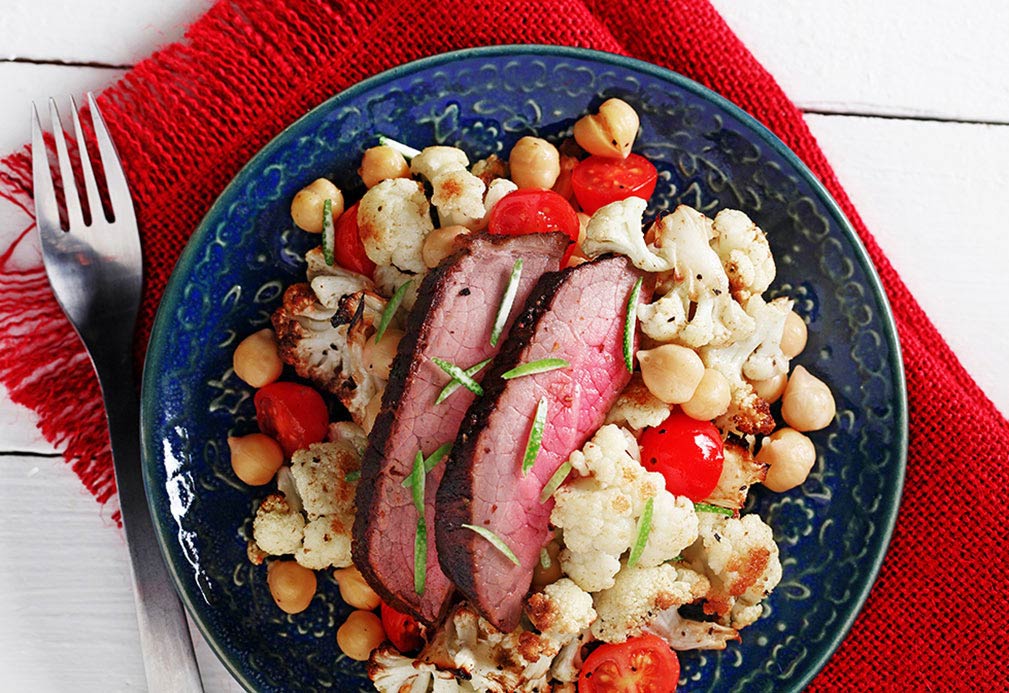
(671,372)
(354,590)
(610,132)
(710,399)
(371,412)
(306,207)
(534,163)
(380,163)
(791,456)
(807,404)
(255,458)
(547,576)
(771,389)
(292,585)
(256,359)
(793,339)
(361,633)
(441,243)
(378,357)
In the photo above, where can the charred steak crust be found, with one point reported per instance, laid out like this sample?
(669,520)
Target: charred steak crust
(417,336)
(455,501)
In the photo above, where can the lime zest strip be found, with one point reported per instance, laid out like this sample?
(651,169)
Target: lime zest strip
(454,384)
(459,375)
(507,299)
(644,529)
(534,367)
(390,309)
(535,441)
(555,482)
(630,323)
(496,541)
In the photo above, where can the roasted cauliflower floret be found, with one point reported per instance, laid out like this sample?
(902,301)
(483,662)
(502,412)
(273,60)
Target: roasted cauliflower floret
(739,471)
(562,608)
(599,512)
(320,473)
(686,634)
(755,357)
(470,649)
(391,672)
(394,219)
(327,542)
(458,195)
(278,528)
(637,596)
(694,307)
(617,228)
(745,254)
(637,408)
(325,345)
(388,278)
(436,160)
(740,559)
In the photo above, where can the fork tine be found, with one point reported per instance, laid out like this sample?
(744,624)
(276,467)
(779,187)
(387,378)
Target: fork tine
(90,185)
(115,179)
(75,217)
(47,211)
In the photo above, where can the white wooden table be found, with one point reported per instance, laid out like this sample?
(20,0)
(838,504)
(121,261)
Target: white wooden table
(910,103)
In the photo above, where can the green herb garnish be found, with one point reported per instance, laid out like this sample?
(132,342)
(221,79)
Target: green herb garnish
(644,529)
(406,150)
(534,367)
(555,482)
(708,508)
(629,324)
(352,476)
(545,559)
(420,557)
(328,233)
(459,375)
(390,309)
(507,299)
(420,542)
(535,440)
(496,541)
(429,463)
(454,384)
(417,482)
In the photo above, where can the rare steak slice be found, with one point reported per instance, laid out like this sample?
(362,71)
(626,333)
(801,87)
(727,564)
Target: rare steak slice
(451,320)
(578,315)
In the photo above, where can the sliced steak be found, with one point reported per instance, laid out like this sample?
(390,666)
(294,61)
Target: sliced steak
(452,320)
(577,314)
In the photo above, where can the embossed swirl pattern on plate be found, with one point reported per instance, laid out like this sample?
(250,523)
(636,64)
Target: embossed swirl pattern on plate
(831,532)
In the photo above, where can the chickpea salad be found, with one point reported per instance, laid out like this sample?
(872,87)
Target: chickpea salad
(648,551)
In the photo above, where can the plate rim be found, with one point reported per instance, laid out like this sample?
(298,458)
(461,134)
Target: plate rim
(170,299)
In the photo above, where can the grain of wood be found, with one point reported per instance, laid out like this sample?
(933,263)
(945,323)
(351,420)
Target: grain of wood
(900,57)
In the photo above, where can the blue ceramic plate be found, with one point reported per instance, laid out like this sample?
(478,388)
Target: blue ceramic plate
(833,532)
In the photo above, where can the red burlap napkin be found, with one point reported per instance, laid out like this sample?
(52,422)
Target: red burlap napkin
(187,118)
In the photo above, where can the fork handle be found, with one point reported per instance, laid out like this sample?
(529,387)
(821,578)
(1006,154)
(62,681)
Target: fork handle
(169,659)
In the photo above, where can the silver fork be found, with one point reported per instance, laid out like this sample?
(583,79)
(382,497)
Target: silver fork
(96,273)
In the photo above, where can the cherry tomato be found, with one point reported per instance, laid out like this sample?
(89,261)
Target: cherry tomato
(535,211)
(294,415)
(348,248)
(644,664)
(687,452)
(402,630)
(600,180)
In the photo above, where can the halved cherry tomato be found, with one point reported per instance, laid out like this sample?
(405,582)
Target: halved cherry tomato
(687,452)
(534,211)
(348,248)
(644,664)
(599,180)
(402,630)
(294,415)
